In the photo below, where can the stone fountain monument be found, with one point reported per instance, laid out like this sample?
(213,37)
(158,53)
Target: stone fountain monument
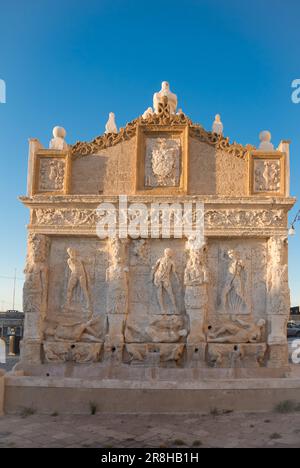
(142,308)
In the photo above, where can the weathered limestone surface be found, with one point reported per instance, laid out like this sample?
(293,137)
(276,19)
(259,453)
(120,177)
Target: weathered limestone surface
(2,391)
(119,306)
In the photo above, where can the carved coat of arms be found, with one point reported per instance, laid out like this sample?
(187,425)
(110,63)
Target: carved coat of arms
(163,162)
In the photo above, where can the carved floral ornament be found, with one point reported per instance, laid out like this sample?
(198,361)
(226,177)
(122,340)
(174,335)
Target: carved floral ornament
(229,218)
(162,118)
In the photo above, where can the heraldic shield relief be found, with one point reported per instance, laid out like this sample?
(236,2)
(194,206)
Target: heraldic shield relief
(163,161)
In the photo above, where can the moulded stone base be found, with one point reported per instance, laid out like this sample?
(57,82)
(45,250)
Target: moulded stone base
(73,396)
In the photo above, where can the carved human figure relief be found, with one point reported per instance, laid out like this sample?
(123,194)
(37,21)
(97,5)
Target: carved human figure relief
(267,176)
(75,331)
(52,175)
(196,297)
(36,275)
(117,278)
(233,295)
(161,276)
(166,329)
(165,92)
(78,279)
(162,164)
(234,330)
(196,270)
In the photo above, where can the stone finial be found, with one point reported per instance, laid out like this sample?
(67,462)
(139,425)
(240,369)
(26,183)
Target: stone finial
(111,126)
(58,141)
(217,125)
(265,141)
(158,98)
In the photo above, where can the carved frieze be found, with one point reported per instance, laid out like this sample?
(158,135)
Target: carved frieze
(214,218)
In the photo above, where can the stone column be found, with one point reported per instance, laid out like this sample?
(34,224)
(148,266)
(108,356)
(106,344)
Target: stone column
(35,297)
(117,299)
(278,301)
(196,303)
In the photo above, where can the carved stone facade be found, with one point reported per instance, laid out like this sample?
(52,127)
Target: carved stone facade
(127,303)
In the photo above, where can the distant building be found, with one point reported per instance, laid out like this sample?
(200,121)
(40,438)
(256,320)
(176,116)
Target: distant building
(11,330)
(295,310)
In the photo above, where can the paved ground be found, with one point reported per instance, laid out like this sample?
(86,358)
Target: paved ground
(10,363)
(157,431)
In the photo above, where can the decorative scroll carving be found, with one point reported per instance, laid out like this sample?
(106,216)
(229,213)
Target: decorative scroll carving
(164,118)
(214,219)
(244,218)
(52,174)
(105,141)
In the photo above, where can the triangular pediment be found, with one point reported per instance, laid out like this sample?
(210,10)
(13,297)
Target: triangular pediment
(162,120)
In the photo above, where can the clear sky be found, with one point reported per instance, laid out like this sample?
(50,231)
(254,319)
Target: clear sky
(71,62)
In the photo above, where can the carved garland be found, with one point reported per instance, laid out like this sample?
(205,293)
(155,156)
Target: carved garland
(163,117)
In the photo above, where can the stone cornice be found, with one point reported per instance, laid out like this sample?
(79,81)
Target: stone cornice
(208,200)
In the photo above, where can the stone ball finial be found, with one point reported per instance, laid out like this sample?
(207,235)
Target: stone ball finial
(217,125)
(58,140)
(59,132)
(265,141)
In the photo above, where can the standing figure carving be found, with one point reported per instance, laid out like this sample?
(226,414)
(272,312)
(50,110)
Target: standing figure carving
(233,297)
(161,276)
(78,277)
(117,278)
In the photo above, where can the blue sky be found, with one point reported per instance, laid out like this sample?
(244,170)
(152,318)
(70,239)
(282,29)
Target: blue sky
(71,62)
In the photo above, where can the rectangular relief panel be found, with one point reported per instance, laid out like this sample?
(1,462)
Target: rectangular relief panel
(267,174)
(162,160)
(51,173)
